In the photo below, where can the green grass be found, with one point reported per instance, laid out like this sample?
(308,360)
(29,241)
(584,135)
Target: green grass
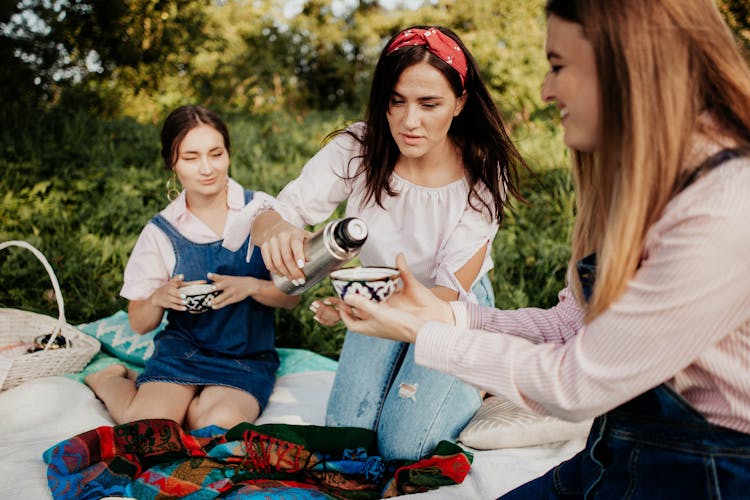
(81,188)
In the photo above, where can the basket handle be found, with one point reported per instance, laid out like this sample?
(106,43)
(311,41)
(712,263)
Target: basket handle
(55,285)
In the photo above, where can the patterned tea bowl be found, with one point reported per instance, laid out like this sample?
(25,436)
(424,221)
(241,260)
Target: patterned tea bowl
(373,283)
(198,298)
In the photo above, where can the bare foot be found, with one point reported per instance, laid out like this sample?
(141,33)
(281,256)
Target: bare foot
(95,379)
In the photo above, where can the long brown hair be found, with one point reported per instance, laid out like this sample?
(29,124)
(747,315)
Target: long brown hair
(660,64)
(489,155)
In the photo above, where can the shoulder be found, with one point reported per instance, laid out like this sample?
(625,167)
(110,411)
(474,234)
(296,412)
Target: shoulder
(151,238)
(349,138)
(236,195)
(712,211)
(721,193)
(357,128)
(339,155)
(175,210)
(482,201)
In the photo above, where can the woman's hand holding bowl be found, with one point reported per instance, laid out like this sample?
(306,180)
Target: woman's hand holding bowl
(402,315)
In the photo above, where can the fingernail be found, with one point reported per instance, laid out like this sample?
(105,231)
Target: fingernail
(213,288)
(314,307)
(316,319)
(181,276)
(184,302)
(295,282)
(301,263)
(182,296)
(327,302)
(301,281)
(210,275)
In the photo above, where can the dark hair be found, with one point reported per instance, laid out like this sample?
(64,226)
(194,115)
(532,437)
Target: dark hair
(181,121)
(563,9)
(488,153)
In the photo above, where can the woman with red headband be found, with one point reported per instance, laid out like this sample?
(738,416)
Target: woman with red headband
(429,171)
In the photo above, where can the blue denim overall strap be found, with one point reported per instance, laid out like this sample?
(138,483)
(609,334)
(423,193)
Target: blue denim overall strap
(653,446)
(710,163)
(238,330)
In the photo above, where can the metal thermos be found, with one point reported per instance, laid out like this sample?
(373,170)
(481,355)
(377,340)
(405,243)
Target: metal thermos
(330,247)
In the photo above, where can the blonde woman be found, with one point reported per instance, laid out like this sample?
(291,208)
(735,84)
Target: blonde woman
(652,334)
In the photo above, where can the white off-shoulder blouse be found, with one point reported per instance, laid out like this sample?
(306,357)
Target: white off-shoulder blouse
(435,227)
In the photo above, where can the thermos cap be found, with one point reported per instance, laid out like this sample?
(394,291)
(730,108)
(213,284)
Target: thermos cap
(356,229)
(351,233)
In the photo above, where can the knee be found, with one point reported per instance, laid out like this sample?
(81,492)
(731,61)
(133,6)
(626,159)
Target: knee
(350,412)
(411,431)
(219,415)
(197,419)
(132,414)
(416,441)
(401,446)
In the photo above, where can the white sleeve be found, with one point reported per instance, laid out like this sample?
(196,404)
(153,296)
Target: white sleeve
(150,265)
(324,182)
(474,230)
(239,231)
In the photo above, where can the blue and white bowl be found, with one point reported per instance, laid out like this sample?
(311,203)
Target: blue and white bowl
(198,298)
(371,282)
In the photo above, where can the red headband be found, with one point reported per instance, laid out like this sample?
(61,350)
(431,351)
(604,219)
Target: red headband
(439,44)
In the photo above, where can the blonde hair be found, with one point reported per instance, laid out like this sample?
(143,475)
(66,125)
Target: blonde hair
(660,65)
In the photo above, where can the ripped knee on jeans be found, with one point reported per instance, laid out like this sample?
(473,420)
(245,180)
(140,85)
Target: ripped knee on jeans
(408,391)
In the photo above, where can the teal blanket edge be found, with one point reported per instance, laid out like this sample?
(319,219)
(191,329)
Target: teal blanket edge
(120,344)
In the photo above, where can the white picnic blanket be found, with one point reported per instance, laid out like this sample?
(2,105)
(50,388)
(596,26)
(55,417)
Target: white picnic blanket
(42,412)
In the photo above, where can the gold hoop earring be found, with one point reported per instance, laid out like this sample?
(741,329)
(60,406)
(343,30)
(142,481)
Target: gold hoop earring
(173,190)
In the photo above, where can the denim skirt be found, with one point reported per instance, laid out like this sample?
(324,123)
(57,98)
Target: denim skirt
(178,361)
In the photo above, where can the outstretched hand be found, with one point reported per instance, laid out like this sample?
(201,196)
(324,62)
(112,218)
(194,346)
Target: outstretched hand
(402,315)
(417,299)
(326,311)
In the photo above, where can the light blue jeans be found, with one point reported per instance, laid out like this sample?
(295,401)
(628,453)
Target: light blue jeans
(378,386)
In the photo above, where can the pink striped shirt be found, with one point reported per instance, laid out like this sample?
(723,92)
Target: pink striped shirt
(684,319)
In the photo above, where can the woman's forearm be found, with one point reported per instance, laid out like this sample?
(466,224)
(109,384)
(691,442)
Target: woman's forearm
(265,225)
(265,292)
(144,316)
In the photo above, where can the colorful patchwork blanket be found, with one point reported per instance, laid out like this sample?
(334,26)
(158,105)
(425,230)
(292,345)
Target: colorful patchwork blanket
(156,459)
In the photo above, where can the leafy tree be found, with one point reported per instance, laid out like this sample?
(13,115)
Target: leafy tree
(251,65)
(737,13)
(18,77)
(266,61)
(86,46)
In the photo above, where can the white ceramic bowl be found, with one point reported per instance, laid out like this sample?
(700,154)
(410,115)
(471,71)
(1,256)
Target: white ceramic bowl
(373,283)
(198,298)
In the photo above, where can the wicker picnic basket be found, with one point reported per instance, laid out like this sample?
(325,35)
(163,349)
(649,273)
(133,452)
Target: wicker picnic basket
(19,327)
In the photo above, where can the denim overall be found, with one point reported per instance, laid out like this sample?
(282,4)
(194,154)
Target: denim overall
(654,446)
(232,346)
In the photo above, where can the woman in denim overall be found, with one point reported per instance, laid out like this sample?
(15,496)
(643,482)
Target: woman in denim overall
(216,367)
(654,100)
